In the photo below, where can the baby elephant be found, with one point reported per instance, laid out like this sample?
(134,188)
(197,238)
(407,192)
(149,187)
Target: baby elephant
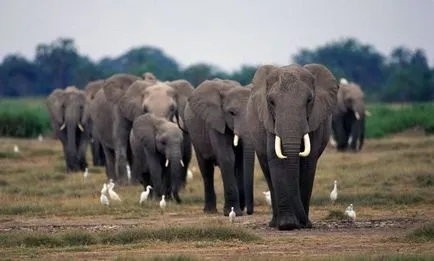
(157,148)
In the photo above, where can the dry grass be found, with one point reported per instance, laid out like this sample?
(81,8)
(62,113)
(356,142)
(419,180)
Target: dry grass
(48,215)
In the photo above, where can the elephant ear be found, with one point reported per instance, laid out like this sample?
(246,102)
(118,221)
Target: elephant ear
(92,88)
(264,77)
(145,129)
(130,104)
(183,91)
(54,104)
(326,88)
(116,86)
(206,102)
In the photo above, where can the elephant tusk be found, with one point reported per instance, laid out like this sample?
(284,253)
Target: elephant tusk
(332,141)
(306,141)
(80,127)
(357,115)
(236,139)
(63,126)
(182,163)
(367,113)
(278,148)
(167,163)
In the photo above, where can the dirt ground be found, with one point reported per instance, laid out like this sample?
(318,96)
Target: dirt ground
(391,166)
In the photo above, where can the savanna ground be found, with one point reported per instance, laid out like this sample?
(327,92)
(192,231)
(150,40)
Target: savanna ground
(48,215)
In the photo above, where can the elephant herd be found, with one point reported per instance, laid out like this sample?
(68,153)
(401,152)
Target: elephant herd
(284,116)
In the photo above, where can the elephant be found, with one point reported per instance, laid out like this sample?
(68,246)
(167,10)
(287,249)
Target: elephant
(348,124)
(157,147)
(289,112)
(90,91)
(128,97)
(68,121)
(215,114)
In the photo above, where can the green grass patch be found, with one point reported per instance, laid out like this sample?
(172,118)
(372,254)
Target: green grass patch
(42,152)
(422,234)
(129,236)
(336,215)
(9,155)
(17,210)
(159,258)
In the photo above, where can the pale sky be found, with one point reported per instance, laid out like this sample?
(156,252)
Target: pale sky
(226,33)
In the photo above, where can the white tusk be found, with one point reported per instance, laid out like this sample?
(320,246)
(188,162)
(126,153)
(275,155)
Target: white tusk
(80,127)
(367,113)
(236,139)
(357,115)
(167,163)
(306,141)
(63,126)
(278,148)
(182,163)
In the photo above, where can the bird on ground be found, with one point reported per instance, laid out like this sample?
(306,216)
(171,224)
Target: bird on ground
(162,203)
(349,211)
(40,138)
(86,173)
(232,215)
(113,195)
(144,195)
(111,183)
(267,195)
(334,193)
(189,175)
(103,199)
(16,149)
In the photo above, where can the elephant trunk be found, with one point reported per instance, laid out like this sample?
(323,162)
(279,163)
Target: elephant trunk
(71,147)
(248,167)
(176,168)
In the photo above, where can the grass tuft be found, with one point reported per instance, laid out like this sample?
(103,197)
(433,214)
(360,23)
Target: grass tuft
(422,234)
(159,258)
(335,215)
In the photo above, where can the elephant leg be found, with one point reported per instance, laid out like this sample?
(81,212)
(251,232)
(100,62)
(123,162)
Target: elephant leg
(263,162)
(81,155)
(68,163)
(222,146)
(121,149)
(156,165)
(362,134)
(285,176)
(186,156)
(207,170)
(307,177)
(239,173)
(109,165)
(341,136)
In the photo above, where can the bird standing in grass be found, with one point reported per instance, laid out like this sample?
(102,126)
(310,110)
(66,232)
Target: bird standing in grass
(86,173)
(163,203)
(189,175)
(334,193)
(113,195)
(128,172)
(232,215)
(103,199)
(16,149)
(144,195)
(40,137)
(350,213)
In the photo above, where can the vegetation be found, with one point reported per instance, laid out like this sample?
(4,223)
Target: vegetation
(422,234)
(403,75)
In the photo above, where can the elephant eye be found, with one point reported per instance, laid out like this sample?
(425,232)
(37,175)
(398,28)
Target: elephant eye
(272,102)
(145,109)
(172,108)
(232,113)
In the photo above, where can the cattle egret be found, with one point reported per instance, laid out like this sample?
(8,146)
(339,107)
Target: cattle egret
(189,175)
(16,149)
(111,184)
(350,213)
(128,172)
(162,203)
(232,215)
(144,195)
(113,195)
(104,200)
(104,189)
(267,195)
(86,173)
(40,138)
(334,193)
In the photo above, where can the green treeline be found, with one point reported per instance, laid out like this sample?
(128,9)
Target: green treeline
(403,75)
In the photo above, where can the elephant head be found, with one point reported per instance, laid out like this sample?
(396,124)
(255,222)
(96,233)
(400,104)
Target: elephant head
(351,99)
(293,101)
(162,141)
(66,108)
(90,91)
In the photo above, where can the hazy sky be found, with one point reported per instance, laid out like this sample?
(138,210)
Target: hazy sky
(227,33)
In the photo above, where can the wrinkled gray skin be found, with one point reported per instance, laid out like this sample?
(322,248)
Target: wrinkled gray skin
(66,108)
(351,103)
(153,141)
(125,97)
(90,91)
(214,113)
(290,102)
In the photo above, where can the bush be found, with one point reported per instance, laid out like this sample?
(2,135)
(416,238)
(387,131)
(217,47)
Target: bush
(24,118)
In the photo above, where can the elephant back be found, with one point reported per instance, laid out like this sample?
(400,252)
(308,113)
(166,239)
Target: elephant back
(115,86)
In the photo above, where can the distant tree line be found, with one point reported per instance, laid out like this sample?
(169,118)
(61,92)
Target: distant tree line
(404,75)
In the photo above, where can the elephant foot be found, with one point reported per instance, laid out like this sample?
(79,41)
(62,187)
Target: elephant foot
(273,222)
(288,222)
(209,210)
(237,210)
(177,198)
(249,211)
(308,224)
